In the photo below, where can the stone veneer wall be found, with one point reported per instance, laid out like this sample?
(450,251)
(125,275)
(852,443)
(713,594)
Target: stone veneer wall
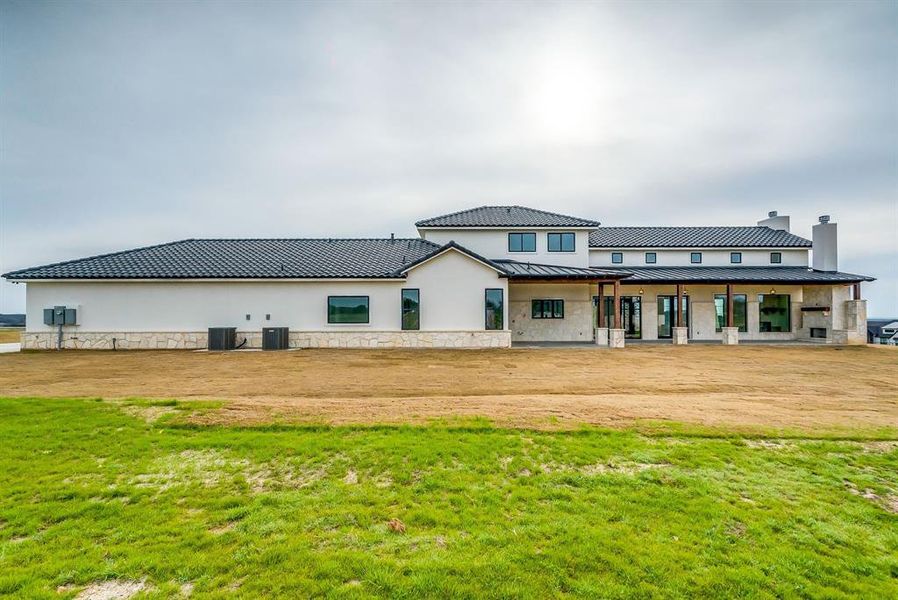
(298,339)
(576,326)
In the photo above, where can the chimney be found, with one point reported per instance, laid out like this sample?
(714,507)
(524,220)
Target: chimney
(774,221)
(825,248)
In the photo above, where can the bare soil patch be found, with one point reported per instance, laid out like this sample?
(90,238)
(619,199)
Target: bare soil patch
(746,386)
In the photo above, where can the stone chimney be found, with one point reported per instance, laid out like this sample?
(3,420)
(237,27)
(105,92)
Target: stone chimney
(825,248)
(774,221)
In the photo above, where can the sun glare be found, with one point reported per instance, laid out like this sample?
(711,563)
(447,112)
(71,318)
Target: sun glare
(563,102)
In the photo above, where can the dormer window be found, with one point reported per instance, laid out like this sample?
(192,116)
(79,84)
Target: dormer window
(561,242)
(522,242)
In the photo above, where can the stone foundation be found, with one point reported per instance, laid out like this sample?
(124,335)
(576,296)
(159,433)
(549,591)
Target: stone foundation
(730,335)
(616,338)
(680,336)
(298,339)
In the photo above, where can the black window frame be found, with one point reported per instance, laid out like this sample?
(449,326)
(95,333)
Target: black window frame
(520,235)
(561,237)
(692,256)
(733,258)
(367,320)
(552,303)
(761,314)
(486,303)
(617,255)
(742,328)
(403,312)
(779,258)
(654,258)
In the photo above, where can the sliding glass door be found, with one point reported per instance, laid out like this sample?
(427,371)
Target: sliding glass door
(667,315)
(631,314)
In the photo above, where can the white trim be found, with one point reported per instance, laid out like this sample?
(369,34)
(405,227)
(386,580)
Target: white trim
(699,248)
(507,228)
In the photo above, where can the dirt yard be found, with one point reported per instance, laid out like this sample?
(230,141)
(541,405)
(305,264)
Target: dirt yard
(747,386)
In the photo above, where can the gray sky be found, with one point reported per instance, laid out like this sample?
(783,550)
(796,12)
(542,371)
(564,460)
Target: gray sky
(124,124)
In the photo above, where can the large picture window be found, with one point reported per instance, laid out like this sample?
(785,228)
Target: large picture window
(561,242)
(522,242)
(547,309)
(411,309)
(774,312)
(347,309)
(494,309)
(740,311)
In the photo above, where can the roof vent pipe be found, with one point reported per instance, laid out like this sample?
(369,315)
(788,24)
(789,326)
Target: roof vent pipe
(825,245)
(775,221)
(392,238)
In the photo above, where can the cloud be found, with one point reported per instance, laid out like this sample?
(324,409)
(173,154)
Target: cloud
(127,124)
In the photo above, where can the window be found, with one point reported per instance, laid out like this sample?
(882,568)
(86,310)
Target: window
(522,242)
(776,258)
(651,258)
(411,309)
(347,309)
(740,311)
(695,258)
(547,309)
(561,242)
(617,258)
(494,309)
(736,258)
(774,312)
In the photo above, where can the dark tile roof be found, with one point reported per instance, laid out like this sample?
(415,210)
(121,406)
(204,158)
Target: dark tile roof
(525,270)
(244,258)
(737,275)
(694,237)
(505,216)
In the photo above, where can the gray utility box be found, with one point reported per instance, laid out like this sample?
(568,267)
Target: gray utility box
(222,338)
(60,315)
(275,338)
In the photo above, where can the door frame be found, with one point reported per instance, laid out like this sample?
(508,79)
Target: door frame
(687,312)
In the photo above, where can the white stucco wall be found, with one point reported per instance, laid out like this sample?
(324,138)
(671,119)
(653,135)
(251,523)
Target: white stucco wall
(751,257)
(452,299)
(493,244)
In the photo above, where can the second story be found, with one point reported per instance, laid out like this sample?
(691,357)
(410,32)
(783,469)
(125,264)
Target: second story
(769,243)
(534,236)
(514,233)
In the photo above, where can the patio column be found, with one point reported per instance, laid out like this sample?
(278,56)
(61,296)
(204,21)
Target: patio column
(730,333)
(616,335)
(601,330)
(680,333)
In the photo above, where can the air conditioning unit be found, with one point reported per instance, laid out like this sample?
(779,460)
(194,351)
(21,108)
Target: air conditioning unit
(275,338)
(222,338)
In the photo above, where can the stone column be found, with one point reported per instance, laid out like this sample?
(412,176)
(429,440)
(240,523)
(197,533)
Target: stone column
(616,338)
(680,336)
(730,336)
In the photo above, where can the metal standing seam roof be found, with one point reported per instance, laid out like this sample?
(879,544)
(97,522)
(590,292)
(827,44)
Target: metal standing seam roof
(505,216)
(695,237)
(525,270)
(300,258)
(795,275)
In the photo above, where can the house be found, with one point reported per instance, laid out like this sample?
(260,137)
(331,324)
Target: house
(483,277)
(882,331)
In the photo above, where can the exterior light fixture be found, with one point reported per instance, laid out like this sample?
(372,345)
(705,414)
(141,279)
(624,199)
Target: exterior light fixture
(641,291)
(772,291)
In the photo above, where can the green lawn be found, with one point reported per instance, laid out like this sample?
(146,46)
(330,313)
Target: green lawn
(90,493)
